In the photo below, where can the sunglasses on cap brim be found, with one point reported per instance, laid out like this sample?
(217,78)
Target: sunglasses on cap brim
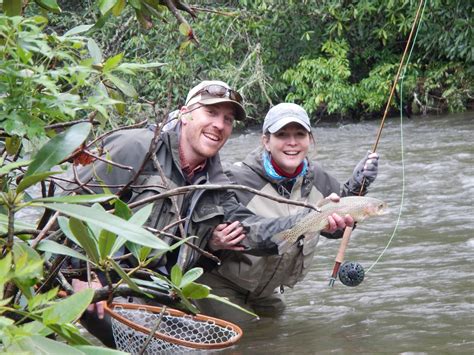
(220,91)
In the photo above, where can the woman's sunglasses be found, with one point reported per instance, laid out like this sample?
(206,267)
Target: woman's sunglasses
(220,91)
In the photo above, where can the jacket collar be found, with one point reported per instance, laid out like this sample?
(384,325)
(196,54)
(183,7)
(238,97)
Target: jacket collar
(255,162)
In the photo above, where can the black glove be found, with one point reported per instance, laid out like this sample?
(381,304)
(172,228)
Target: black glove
(366,170)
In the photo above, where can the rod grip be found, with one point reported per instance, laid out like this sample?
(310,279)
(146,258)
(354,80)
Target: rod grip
(344,242)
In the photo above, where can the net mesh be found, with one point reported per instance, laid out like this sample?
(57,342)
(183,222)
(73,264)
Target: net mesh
(179,328)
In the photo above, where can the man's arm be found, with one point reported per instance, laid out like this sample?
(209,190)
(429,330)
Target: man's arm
(127,148)
(258,230)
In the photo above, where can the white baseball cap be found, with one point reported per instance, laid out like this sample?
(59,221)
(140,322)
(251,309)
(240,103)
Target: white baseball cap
(282,114)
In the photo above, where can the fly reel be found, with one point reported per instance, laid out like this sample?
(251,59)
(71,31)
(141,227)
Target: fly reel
(351,273)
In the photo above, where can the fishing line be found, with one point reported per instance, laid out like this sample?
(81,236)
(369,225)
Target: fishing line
(402,144)
(351,271)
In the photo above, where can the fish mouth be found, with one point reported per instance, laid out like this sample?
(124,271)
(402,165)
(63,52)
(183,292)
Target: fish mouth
(382,209)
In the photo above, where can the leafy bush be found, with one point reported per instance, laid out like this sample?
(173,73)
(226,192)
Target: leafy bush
(322,84)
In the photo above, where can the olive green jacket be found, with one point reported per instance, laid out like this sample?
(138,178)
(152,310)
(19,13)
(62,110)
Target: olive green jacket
(203,209)
(260,275)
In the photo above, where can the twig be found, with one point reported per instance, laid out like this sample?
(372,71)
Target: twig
(152,331)
(102,294)
(11,229)
(78,181)
(185,189)
(174,201)
(195,247)
(54,268)
(70,123)
(136,125)
(171,6)
(126,167)
(25,231)
(212,11)
(45,230)
(62,280)
(100,185)
(152,147)
(47,212)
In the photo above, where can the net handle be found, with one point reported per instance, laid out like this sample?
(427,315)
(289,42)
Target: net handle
(176,313)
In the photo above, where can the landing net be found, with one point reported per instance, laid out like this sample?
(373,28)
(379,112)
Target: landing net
(176,332)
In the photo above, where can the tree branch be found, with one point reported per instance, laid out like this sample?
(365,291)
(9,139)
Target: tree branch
(185,189)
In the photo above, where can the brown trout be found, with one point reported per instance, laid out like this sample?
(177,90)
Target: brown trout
(358,207)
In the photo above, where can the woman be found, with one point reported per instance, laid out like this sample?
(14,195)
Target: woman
(279,167)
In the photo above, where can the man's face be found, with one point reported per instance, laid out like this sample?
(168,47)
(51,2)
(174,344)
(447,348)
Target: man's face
(205,130)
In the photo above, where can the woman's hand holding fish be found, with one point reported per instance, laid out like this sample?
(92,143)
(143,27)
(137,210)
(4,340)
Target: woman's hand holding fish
(227,236)
(337,222)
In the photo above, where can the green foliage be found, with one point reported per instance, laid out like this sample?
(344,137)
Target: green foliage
(104,220)
(94,61)
(373,89)
(97,235)
(46,78)
(448,86)
(322,84)
(186,289)
(265,39)
(449,31)
(24,268)
(43,78)
(260,46)
(58,148)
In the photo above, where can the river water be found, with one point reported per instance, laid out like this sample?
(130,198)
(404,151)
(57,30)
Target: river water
(418,298)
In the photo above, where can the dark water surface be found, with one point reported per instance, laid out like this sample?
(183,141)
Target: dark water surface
(419,297)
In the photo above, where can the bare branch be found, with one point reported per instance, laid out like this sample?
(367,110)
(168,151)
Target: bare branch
(106,160)
(191,245)
(136,125)
(99,185)
(45,230)
(172,7)
(151,150)
(79,183)
(185,189)
(68,124)
(102,294)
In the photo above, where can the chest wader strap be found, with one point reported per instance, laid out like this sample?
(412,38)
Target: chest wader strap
(247,297)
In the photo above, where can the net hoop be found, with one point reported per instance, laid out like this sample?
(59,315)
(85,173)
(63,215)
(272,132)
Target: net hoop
(199,319)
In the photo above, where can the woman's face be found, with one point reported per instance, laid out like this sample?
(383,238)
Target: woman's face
(288,146)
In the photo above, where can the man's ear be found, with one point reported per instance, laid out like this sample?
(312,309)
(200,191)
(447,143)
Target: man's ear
(184,115)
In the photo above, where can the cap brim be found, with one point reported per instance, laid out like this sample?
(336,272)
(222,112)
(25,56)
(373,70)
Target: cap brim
(284,121)
(240,111)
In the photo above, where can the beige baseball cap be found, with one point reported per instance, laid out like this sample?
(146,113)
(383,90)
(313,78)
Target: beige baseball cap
(211,92)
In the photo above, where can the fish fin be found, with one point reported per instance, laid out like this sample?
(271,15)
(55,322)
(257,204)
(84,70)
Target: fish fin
(282,240)
(284,247)
(323,202)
